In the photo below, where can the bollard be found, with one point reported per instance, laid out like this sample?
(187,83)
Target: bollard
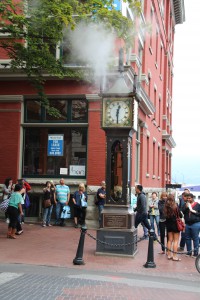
(78,260)
(150,257)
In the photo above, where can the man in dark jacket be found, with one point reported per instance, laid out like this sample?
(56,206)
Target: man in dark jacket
(101,196)
(191,212)
(182,201)
(141,208)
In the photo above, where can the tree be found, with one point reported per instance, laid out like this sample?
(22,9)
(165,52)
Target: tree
(31,29)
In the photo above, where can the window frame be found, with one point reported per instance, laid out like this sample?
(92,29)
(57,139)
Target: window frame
(68,123)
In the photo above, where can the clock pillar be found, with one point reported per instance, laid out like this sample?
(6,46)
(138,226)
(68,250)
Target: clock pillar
(117,231)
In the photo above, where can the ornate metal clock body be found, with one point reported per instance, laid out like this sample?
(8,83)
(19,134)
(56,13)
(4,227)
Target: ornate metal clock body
(117,112)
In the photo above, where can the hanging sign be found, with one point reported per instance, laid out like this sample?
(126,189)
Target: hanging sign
(55,144)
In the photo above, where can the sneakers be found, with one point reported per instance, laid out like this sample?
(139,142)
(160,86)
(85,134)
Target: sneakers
(19,232)
(49,225)
(180,249)
(144,237)
(44,225)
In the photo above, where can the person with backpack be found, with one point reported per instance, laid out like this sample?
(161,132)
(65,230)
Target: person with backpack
(8,189)
(14,210)
(100,200)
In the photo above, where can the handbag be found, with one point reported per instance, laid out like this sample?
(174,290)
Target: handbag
(4,205)
(83,201)
(27,202)
(66,213)
(46,203)
(179,222)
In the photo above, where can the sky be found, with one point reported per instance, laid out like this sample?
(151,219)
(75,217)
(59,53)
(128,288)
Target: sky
(186,97)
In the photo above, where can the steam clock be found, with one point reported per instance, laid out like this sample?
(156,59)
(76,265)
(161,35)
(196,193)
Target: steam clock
(119,121)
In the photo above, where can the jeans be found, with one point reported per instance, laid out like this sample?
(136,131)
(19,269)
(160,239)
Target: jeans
(59,208)
(145,230)
(192,234)
(47,215)
(100,208)
(152,219)
(139,218)
(182,242)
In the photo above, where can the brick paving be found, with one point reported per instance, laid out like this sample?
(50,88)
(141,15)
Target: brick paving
(57,246)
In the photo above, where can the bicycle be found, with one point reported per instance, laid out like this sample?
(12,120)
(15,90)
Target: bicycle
(197,263)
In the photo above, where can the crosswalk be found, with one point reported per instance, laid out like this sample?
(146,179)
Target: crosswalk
(8,276)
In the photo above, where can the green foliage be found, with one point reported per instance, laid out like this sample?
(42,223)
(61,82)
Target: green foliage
(31,30)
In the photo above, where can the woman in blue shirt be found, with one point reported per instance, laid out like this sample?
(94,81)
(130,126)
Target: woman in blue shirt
(14,209)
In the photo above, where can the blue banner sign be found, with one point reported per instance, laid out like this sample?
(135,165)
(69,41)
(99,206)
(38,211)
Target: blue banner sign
(55,144)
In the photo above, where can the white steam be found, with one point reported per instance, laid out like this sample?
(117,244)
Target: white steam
(93,45)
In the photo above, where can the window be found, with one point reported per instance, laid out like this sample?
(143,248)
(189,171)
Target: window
(137,155)
(154,158)
(67,158)
(55,150)
(158,161)
(161,59)
(156,58)
(148,155)
(71,111)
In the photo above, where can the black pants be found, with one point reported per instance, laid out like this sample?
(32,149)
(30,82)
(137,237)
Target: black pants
(13,215)
(142,218)
(80,213)
(162,226)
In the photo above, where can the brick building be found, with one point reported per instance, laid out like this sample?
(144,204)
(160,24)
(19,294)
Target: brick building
(36,146)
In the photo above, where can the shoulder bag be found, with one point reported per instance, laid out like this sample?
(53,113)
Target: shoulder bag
(179,222)
(46,203)
(83,201)
(4,205)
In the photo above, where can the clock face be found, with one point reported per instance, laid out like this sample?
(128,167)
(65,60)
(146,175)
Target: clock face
(117,113)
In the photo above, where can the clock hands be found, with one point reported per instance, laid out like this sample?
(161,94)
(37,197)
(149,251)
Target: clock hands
(117,113)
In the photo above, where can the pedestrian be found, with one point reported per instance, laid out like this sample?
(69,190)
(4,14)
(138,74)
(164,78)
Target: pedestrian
(141,208)
(191,211)
(101,196)
(49,193)
(8,189)
(182,201)
(26,186)
(80,204)
(171,211)
(154,212)
(62,198)
(162,221)
(14,209)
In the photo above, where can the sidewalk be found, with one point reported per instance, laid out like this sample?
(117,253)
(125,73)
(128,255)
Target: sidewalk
(57,246)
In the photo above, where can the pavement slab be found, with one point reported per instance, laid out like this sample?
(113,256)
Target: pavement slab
(40,261)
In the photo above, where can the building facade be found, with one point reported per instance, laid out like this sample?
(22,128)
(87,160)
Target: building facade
(37,146)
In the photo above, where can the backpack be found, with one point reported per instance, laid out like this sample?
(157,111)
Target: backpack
(27,202)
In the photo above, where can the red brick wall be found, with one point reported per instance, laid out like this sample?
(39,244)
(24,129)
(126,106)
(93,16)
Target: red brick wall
(10,140)
(96,146)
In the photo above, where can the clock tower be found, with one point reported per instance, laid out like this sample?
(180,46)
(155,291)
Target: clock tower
(119,121)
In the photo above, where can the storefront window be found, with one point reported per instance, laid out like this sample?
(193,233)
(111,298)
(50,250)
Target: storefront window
(33,111)
(61,106)
(70,111)
(79,110)
(55,152)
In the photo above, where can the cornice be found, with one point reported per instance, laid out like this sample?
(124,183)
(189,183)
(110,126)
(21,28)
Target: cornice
(145,103)
(169,139)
